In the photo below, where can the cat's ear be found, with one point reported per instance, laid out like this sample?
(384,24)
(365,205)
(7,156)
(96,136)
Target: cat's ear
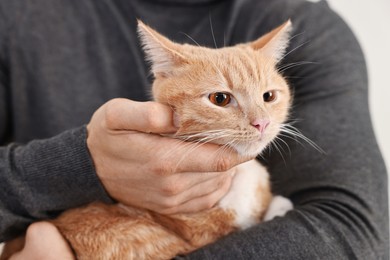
(274,43)
(163,54)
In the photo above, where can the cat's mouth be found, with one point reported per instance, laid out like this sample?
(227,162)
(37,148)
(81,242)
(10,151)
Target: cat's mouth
(249,149)
(246,143)
(254,143)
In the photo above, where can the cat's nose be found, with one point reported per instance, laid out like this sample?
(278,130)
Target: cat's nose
(260,124)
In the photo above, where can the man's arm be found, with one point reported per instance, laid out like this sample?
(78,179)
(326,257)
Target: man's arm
(36,178)
(44,177)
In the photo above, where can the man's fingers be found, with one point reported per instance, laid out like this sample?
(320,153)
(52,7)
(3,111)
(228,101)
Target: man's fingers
(44,241)
(183,158)
(170,156)
(201,203)
(173,156)
(204,188)
(147,117)
(192,179)
(181,188)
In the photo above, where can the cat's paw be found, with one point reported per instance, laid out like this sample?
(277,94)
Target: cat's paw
(278,207)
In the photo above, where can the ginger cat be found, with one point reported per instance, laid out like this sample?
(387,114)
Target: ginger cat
(233,96)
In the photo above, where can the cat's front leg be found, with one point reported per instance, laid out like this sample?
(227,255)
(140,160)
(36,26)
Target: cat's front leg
(278,207)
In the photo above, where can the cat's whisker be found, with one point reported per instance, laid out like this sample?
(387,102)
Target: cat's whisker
(184,139)
(186,148)
(200,140)
(180,145)
(228,146)
(189,37)
(290,77)
(292,137)
(212,32)
(223,148)
(293,131)
(294,49)
(193,147)
(277,138)
(296,35)
(260,155)
(294,64)
(221,151)
(280,149)
(209,131)
(275,144)
(206,134)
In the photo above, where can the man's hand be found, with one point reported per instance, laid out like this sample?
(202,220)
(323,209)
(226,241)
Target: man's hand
(43,241)
(141,168)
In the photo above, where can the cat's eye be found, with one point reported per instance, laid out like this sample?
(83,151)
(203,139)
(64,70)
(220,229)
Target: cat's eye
(220,98)
(269,96)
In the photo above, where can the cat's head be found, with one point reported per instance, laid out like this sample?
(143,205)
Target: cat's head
(233,96)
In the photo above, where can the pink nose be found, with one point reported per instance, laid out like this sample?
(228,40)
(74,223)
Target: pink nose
(260,124)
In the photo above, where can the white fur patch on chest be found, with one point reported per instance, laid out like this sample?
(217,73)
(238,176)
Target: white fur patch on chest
(243,194)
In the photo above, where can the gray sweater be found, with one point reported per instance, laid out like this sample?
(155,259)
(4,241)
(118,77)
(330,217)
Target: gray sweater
(61,59)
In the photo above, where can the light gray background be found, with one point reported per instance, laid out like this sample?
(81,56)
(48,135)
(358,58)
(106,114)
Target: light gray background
(370,20)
